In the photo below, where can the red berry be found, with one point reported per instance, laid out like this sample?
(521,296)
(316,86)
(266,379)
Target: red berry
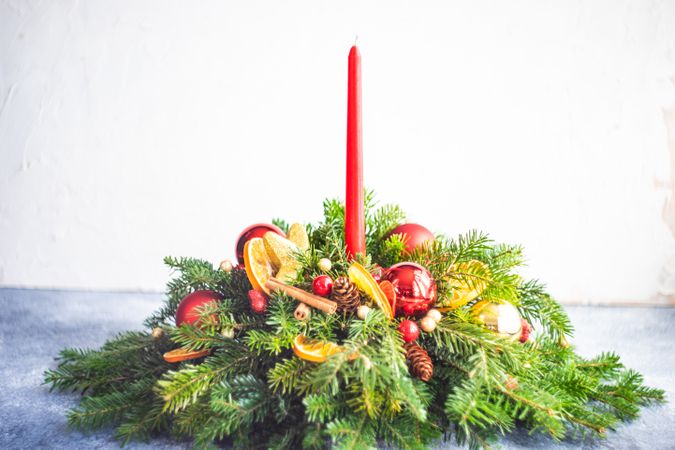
(322,285)
(258,301)
(527,328)
(409,330)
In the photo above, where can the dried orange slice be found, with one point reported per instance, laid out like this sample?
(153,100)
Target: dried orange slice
(464,292)
(390,292)
(298,235)
(314,350)
(181,354)
(258,266)
(365,281)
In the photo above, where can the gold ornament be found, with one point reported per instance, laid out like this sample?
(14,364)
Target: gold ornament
(435,315)
(428,324)
(298,235)
(501,318)
(226,265)
(325,264)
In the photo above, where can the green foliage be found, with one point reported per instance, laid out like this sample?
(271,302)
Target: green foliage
(254,392)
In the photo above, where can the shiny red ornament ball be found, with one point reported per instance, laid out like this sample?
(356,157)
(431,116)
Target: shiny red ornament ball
(409,330)
(188,308)
(415,288)
(413,235)
(258,301)
(256,230)
(322,285)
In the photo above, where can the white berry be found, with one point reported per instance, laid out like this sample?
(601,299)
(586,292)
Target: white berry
(226,266)
(227,333)
(325,264)
(362,312)
(435,315)
(428,324)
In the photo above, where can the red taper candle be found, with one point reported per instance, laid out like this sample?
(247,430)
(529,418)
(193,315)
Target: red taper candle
(355,227)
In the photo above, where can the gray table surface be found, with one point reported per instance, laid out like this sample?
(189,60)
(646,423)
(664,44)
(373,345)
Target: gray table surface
(36,324)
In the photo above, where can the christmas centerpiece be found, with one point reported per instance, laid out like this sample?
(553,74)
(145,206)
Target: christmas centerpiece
(357,330)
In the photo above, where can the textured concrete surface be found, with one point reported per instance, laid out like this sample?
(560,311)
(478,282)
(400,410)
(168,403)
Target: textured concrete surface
(35,325)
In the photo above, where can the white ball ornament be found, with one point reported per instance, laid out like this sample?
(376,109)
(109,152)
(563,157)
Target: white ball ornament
(428,324)
(325,264)
(435,315)
(362,312)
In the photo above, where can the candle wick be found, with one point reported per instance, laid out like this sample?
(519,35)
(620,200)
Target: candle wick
(356,38)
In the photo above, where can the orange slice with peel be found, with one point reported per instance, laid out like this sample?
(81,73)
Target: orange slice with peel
(365,282)
(390,292)
(463,292)
(257,263)
(315,350)
(181,354)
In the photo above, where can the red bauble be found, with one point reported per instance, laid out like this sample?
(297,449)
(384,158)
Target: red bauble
(256,230)
(413,235)
(322,285)
(187,309)
(415,288)
(409,330)
(258,301)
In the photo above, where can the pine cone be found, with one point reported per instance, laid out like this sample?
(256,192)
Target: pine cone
(419,362)
(346,295)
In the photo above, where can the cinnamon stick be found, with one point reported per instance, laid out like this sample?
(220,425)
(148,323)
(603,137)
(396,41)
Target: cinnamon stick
(302,312)
(320,303)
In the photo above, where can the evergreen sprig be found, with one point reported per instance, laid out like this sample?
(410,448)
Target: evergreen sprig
(254,392)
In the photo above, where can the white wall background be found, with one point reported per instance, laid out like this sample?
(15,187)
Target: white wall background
(134,129)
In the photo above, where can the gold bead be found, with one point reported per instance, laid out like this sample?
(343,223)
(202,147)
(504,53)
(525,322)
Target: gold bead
(435,315)
(157,333)
(227,333)
(362,312)
(428,324)
(226,265)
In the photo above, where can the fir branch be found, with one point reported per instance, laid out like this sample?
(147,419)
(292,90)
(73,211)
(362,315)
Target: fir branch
(96,411)
(182,387)
(538,307)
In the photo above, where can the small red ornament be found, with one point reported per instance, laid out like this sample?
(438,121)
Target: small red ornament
(322,285)
(409,330)
(187,311)
(256,230)
(413,235)
(526,329)
(258,301)
(415,288)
